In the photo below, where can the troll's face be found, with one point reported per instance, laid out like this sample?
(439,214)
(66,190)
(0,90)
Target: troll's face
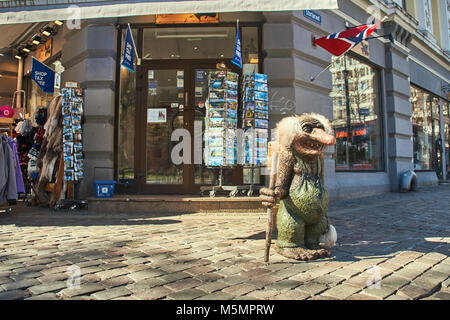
(308,134)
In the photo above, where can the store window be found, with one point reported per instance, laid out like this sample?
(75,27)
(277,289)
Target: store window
(422,122)
(127,111)
(357,124)
(446,112)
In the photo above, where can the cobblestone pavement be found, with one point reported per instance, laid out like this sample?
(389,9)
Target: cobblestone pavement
(391,246)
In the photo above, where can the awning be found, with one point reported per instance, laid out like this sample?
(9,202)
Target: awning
(49,10)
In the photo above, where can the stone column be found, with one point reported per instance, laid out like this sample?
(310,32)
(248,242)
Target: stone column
(398,106)
(290,62)
(89,58)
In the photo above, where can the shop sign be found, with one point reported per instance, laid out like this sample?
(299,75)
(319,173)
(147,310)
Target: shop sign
(44,51)
(356,132)
(43,76)
(364,111)
(312,15)
(187,18)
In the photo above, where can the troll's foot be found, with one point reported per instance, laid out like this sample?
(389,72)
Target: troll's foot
(302,253)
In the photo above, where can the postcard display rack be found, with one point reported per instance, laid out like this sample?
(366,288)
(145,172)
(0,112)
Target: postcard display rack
(72,104)
(222,122)
(255,123)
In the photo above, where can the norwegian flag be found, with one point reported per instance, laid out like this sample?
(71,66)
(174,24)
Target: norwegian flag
(339,43)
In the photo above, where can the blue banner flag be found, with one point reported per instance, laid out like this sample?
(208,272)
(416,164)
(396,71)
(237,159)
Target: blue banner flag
(128,51)
(237,60)
(43,76)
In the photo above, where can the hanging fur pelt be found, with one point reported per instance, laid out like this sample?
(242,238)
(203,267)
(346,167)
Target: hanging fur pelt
(51,150)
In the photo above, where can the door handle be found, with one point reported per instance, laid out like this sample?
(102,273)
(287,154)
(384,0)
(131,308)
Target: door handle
(186,99)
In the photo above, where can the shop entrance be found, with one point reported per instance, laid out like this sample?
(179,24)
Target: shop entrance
(173,97)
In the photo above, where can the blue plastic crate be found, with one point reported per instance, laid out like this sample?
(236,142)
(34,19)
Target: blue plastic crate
(104,189)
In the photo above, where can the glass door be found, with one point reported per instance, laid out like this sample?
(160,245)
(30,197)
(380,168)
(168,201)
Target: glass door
(162,112)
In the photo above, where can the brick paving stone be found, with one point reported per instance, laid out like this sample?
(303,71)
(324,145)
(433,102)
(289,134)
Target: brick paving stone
(395,282)
(284,284)
(442,295)
(14,295)
(232,280)
(45,296)
(21,284)
(360,296)
(117,281)
(137,267)
(262,281)
(291,295)
(47,287)
(379,291)
(312,288)
(208,277)
(111,293)
(329,280)
(187,294)
(197,270)
(341,291)
(112,273)
(239,289)
(84,289)
(413,292)
(53,277)
(211,287)
(145,274)
(175,276)
(183,284)
(25,275)
(145,284)
(254,273)
(216,296)
(153,294)
(344,273)
(263,294)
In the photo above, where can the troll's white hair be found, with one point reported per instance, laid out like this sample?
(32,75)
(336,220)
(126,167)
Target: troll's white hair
(289,127)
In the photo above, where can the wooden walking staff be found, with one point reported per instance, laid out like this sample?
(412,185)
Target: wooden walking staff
(271,211)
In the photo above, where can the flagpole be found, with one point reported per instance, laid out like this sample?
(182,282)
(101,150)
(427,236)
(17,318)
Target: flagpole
(314,78)
(135,48)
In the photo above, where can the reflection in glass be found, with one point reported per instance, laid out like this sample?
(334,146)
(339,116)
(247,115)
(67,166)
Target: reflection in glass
(357,125)
(422,129)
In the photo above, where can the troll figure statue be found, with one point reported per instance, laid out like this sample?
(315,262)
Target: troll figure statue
(302,221)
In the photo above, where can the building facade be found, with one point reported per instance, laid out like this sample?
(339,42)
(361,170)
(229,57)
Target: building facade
(387,98)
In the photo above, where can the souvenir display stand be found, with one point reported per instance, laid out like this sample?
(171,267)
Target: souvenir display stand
(71,161)
(255,122)
(221,124)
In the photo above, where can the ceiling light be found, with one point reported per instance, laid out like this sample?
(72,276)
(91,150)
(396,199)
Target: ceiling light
(18,57)
(195,48)
(27,48)
(36,39)
(58,22)
(47,31)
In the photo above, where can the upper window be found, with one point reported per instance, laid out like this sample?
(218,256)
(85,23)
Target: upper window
(356,121)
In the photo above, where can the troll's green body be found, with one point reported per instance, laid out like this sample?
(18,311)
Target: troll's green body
(301,217)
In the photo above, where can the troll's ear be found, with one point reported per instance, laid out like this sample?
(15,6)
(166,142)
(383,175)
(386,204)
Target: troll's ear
(287,129)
